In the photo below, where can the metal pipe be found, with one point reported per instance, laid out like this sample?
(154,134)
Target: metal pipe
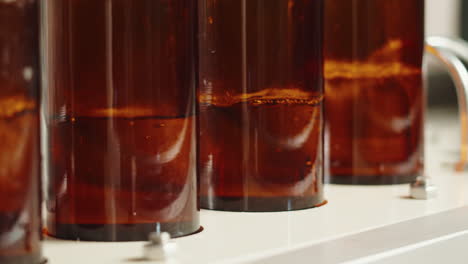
(448,52)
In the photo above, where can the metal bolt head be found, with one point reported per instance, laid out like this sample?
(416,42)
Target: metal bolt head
(159,238)
(423,189)
(160,247)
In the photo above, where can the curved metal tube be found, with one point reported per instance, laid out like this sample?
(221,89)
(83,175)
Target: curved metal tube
(444,50)
(458,47)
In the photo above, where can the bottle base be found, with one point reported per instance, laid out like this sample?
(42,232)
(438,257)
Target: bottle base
(371,179)
(23,259)
(120,232)
(261,204)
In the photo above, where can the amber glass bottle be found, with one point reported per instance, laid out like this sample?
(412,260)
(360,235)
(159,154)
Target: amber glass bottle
(121,118)
(374,91)
(20,219)
(260,104)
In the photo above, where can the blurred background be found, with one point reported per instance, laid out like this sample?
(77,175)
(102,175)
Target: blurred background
(444,18)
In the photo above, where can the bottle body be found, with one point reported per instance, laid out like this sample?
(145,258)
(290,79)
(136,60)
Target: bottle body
(260,104)
(375,97)
(20,219)
(121,119)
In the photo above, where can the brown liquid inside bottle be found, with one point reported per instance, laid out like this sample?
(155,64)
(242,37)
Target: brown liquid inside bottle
(260,104)
(374,91)
(121,121)
(20,219)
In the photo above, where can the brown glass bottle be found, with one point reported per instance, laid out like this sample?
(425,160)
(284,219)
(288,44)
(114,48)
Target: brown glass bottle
(20,219)
(260,104)
(374,91)
(121,125)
